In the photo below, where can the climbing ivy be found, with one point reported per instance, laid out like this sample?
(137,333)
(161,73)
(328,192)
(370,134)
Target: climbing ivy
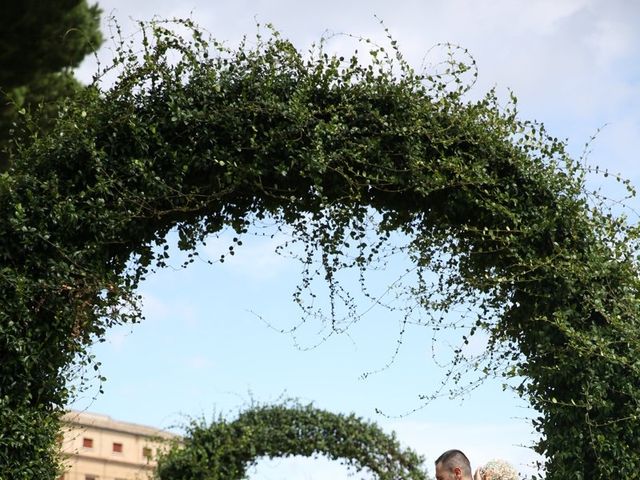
(225,449)
(359,158)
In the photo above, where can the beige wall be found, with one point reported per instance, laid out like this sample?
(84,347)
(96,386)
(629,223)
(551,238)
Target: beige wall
(102,460)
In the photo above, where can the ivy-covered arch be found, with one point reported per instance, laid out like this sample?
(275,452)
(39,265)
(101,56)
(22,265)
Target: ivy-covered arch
(196,137)
(225,449)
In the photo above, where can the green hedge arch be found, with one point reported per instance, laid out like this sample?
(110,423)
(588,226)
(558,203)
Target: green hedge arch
(225,449)
(197,137)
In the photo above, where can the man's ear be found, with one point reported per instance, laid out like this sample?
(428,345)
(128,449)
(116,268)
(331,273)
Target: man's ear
(457,471)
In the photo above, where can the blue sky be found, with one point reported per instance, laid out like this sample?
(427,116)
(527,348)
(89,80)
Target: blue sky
(206,347)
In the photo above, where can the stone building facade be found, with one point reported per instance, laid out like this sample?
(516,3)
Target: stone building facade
(96,447)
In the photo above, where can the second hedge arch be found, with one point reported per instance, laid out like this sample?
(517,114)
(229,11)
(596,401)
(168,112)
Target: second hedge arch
(197,137)
(225,449)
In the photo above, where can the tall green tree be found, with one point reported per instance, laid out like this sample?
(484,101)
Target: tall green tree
(40,44)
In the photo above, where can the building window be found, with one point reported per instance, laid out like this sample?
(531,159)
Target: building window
(90,477)
(87,443)
(117,447)
(146,453)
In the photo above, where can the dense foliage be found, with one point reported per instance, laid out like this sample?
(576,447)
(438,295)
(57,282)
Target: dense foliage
(197,137)
(225,449)
(39,44)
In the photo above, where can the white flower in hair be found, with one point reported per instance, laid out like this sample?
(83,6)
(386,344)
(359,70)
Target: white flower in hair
(499,470)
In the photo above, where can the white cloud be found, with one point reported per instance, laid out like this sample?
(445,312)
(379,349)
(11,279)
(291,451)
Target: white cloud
(610,40)
(117,339)
(199,362)
(159,309)
(255,259)
(155,308)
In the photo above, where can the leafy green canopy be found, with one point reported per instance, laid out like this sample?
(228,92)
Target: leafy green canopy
(39,43)
(197,137)
(225,449)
